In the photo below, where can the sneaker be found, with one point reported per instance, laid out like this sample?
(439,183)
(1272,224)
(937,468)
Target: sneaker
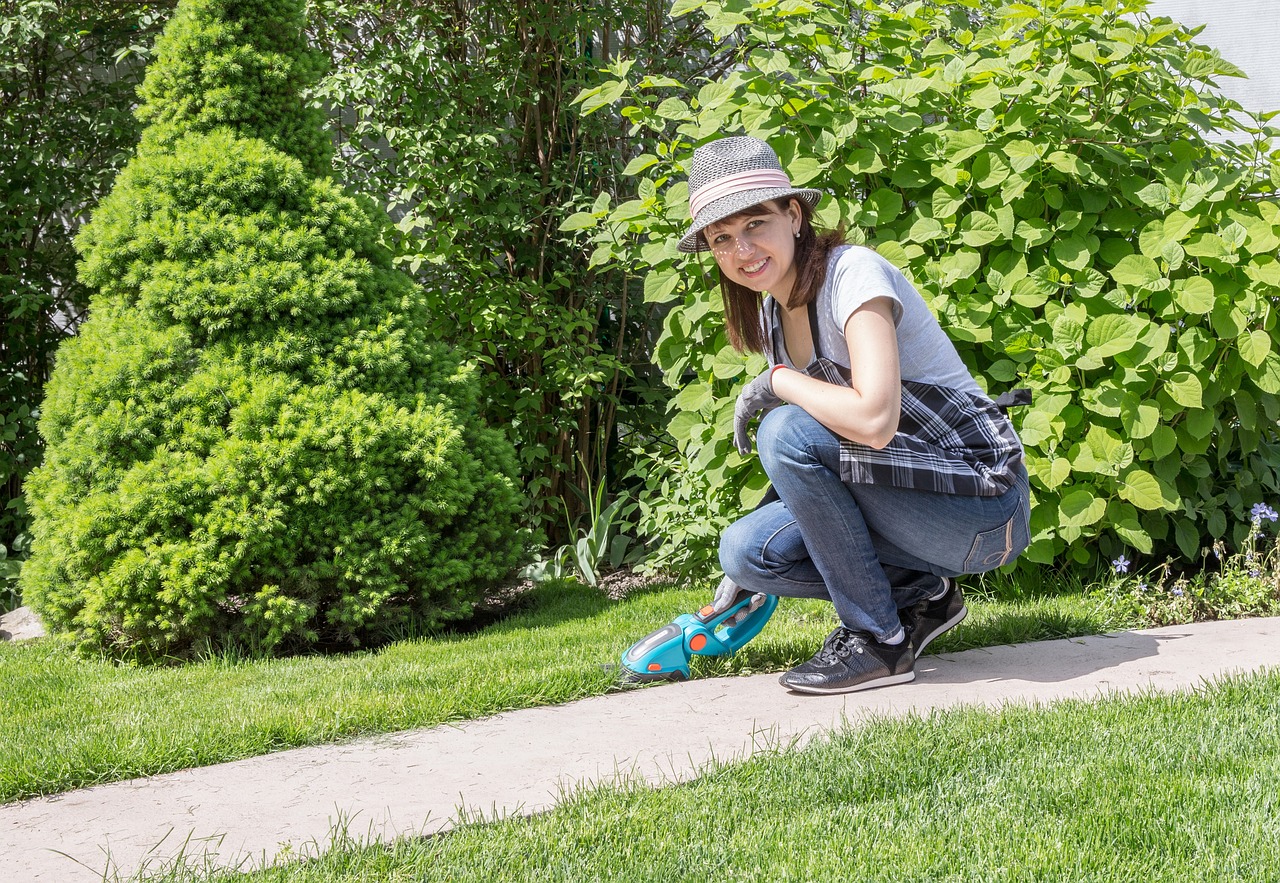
(851,661)
(928,619)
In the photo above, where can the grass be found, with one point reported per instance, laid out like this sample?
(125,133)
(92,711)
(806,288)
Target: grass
(1150,787)
(69,722)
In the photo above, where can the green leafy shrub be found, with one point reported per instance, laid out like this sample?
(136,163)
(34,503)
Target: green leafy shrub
(252,438)
(1055,179)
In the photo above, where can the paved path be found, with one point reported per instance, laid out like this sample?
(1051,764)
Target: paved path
(525,761)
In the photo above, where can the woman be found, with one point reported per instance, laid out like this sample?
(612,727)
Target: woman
(893,471)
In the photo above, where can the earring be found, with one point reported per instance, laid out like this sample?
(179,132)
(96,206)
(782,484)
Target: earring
(797,234)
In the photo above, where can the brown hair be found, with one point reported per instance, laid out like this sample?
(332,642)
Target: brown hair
(742,305)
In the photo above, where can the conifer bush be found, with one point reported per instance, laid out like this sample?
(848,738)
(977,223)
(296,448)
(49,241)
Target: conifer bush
(252,439)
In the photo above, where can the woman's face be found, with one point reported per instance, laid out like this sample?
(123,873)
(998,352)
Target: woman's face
(757,248)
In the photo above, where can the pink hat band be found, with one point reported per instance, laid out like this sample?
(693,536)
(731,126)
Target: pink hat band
(731,184)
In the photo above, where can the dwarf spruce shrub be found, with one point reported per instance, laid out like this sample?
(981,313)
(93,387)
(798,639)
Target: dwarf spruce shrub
(251,439)
(1081,208)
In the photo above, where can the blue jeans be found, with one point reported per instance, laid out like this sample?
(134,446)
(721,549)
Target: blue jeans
(869,549)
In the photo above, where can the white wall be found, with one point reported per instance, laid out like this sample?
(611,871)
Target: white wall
(1247,33)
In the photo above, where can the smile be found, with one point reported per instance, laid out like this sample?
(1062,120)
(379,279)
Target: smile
(752,269)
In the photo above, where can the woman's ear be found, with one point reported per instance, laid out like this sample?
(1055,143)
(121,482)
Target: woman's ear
(796,214)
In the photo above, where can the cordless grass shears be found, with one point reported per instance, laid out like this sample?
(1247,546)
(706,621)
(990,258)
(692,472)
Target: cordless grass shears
(663,654)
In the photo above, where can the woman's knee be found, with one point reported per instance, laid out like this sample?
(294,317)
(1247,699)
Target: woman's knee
(738,546)
(786,434)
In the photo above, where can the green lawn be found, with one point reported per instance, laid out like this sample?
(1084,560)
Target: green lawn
(1146,788)
(70,722)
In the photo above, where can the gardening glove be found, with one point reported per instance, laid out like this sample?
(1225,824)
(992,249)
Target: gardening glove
(726,592)
(757,396)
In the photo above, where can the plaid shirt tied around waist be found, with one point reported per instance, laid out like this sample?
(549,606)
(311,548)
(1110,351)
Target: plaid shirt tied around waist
(948,441)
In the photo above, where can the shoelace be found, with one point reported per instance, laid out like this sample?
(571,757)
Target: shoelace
(841,643)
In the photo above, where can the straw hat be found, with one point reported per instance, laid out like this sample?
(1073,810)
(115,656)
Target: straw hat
(732,174)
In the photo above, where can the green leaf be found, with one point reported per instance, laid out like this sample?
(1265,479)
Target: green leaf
(1139,417)
(1068,334)
(1072,253)
(605,95)
(1155,195)
(639,163)
(989,170)
(803,169)
(1101,451)
(1081,508)
(714,94)
(1267,375)
(694,397)
(1188,538)
(978,229)
(1212,246)
(964,143)
(1254,347)
(1059,471)
(903,89)
(578,221)
(1200,422)
(1036,429)
(946,201)
(864,161)
(1034,232)
(1131,531)
(683,424)
(1023,155)
(1195,295)
(1068,163)
(1145,491)
(728,364)
(684,7)
(659,285)
(924,230)
(881,207)
(1112,334)
(984,98)
(1185,389)
(1136,270)
(1164,441)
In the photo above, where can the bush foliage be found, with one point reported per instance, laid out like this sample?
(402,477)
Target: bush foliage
(252,438)
(66,83)
(459,116)
(1056,180)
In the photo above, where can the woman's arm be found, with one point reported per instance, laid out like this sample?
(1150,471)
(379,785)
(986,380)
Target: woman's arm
(868,410)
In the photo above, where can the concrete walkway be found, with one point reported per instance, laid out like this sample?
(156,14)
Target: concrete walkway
(525,761)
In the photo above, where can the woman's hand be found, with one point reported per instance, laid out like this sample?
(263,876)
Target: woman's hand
(757,396)
(726,593)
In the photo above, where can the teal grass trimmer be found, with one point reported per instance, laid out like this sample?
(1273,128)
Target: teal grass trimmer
(663,655)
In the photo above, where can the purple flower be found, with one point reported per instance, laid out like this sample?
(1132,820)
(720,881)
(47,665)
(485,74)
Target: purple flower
(1262,512)
(1121,564)
(1255,573)
(1178,593)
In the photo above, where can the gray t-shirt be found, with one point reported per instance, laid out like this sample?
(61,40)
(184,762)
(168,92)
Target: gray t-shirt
(855,275)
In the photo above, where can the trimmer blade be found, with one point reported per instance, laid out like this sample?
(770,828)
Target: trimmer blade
(634,678)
